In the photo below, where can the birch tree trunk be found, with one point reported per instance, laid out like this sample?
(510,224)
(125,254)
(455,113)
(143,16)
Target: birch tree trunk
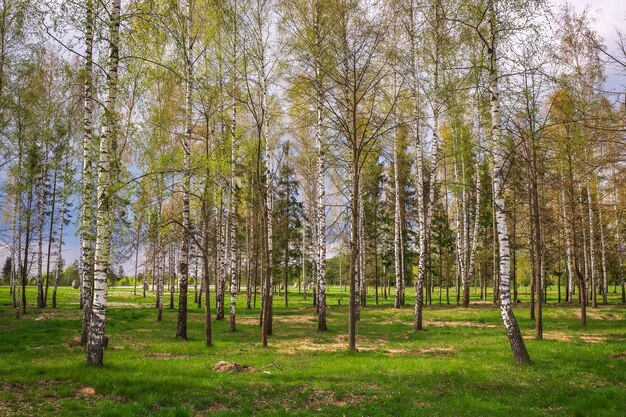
(425,201)
(568,249)
(474,241)
(362,283)
(268,210)
(592,245)
(320,206)
(419,150)
(618,241)
(160,271)
(354,249)
(59,268)
(498,148)
(181,330)
(397,231)
(50,235)
(220,281)
(95,343)
(605,283)
(232,205)
(86,228)
(41,219)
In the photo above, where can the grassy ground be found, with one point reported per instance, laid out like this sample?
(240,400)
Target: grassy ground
(460,365)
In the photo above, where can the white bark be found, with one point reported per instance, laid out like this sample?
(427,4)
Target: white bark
(232,212)
(95,343)
(41,218)
(320,206)
(181,330)
(397,225)
(59,267)
(592,244)
(499,150)
(86,228)
(605,283)
(568,249)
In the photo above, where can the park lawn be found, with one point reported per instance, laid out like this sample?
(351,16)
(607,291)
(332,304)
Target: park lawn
(461,364)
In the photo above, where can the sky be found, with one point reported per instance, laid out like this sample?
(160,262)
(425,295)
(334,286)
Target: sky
(608,15)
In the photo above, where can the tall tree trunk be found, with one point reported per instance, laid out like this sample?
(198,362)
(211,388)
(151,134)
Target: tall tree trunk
(568,248)
(137,236)
(181,329)
(50,235)
(537,238)
(268,210)
(232,212)
(59,268)
(618,241)
(592,244)
(87,217)
(397,231)
(41,219)
(605,282)
(498,147)
(354,249)
(96,339)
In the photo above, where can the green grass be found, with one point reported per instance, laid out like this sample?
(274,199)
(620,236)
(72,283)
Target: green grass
(461,364)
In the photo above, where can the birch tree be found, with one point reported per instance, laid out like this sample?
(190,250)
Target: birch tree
(96,341)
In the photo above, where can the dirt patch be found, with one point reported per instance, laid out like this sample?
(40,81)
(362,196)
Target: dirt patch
(213,408)
(308,345)
(121,304)
(320,397)
(597,315)
(165,356)
(75,342)
(565,337)
(437,351)
(436,323)
(86,391)
(231,367)
(249,320)
(339,344)
(294,319)
(396,351)
(619,356)
(46,315)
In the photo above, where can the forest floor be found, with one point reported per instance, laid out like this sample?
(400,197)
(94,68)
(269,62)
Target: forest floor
(461,364)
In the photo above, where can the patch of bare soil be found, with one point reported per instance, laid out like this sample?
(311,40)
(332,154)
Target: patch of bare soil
(165,356)
(619,356)
(437,351)
(597,315)
(436,323)
(51,314)
(213,408)
(320,397)
(340,344)
(565,337)
(308,345)
(75,342)
(231,367)
(396,351)
(86,391)
(248,320)
(46,315)
(294,319)
(122,304)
